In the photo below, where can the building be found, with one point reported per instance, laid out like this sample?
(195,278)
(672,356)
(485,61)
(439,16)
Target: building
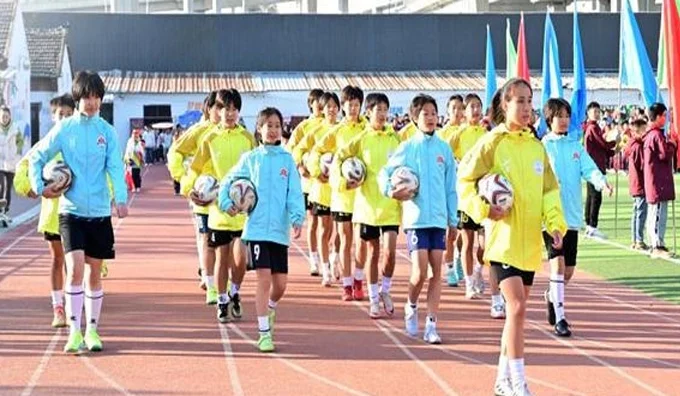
(15,66)
(51,74)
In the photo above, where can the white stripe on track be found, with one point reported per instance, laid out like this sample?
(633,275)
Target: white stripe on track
(236,388)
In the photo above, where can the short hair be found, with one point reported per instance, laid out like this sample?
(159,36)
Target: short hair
(266,113)
(455,97)
(350,93)
(327,97)
(418,102)
(314,95)
(656,110)
(553,108)
(374,99)
(86,84)
(4,108)
(66,100)
(470,97)
(639,123)
(593,105)
(225,97)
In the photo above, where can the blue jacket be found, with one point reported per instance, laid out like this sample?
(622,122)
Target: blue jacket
(571,163)
(89,146)
(436,203)
(280,202)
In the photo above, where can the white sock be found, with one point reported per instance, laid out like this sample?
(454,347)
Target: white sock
(477,269)
(412,304)
(431,320)
(93,307)
(450,265)
(74,306)
(386,284)
(503,368)
(263,324)
(57,298)
(235,288)
(223,298)
(347,281)
(517,373)
(497,299)
(469,281)
(373,292)
(359,274)
(210,281)
(326,270)
(557,295)
(272,304)
(332,258)
(314,257)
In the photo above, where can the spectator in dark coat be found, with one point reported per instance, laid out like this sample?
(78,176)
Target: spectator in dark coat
(636,183)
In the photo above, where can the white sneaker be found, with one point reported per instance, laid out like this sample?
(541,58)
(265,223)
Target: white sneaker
(411,320)
(326,280)
(598,234)
(523,390)
(430,336)
(471,293)
(503,387)
(388,305)
(589,231)
(479,283)
(498,311)
(313,268)
(374,310)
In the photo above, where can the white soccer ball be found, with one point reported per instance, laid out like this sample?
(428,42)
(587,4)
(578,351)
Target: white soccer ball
(405,178)
(325,163)
(206,188)
(496,190)
(243,195)
(353,169)
(58,175)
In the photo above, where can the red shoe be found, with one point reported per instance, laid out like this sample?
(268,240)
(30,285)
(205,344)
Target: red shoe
(347,293)
(358,292)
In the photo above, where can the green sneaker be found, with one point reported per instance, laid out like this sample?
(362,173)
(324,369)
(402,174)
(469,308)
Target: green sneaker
(265,343)
(272,318)
(211,296)
(74,343)
(92,340)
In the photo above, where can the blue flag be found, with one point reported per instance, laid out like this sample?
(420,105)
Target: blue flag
(552,77)
(635,69)
(491,86)
(578,95)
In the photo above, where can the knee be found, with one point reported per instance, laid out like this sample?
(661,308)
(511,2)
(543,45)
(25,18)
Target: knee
(516,310)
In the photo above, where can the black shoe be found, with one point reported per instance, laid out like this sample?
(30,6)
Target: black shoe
(223,313)
(236,306)
(550,309)
(562,329)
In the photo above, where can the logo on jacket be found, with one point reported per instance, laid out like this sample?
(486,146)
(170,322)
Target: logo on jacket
(440,159)
(101,140)
(283,173)
(576,156)
(538,167)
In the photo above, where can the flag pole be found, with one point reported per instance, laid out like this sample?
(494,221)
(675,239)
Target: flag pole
(616,178)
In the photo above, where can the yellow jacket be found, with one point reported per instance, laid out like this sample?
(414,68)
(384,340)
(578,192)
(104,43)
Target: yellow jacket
(408,131)
(337,137)
(220,150)
(447,132)
(49,208)
(186,146)
(463,138)
(372,147)
(297,136)
(319,192)
(515,240)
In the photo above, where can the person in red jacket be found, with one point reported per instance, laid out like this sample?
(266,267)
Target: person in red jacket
(635,154)
(600,151)
(658,178)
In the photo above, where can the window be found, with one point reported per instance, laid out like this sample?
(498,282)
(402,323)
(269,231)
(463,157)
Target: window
(106,112)
(157,113)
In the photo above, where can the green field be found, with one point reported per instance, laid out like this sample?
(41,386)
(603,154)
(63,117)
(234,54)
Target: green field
(658,278)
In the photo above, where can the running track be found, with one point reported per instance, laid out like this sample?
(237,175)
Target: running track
(160,338)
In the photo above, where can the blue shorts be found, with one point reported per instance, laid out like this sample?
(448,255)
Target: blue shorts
(426,239)
(201,221)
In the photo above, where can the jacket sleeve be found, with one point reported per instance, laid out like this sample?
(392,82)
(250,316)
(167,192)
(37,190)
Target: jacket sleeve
(473,166)
(399,158)
(296,136)
(115,167)
(22,185)
(595,137)
(45,150)
(589,171)
(454,141)
(240,171)
(324,145)
(553,216)
(663,150)
(450,186)
(175,163)
(295,202)
(303,147)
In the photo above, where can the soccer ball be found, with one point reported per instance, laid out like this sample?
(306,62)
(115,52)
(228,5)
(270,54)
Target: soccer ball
(243,195)
(325,163)
(405,178)
(57,174)
(206,188)
(187,163)
(353,169)
(496,190)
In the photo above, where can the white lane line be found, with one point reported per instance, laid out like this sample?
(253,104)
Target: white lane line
(236,388)
(43,364)
(105,377)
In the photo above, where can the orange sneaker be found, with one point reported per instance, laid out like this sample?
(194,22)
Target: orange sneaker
(358,291)
(347,293)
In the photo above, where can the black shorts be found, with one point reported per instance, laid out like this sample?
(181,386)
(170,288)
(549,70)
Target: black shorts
(371,233)
(465,222)
(49,237)
(93,235)
(201,222)
(569,247)
(341,217)
(320,210)
(308,205)
(217,238)
(268,255)
(504,271)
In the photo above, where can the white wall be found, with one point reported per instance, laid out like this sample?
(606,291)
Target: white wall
(45,116)
(18,94)
(65,80)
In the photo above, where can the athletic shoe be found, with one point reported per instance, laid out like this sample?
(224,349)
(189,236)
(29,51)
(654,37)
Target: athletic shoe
(661,252)
(201,281)
(374,310)
(211,296)
(411,320)
(521,391)
(550,308)
(326,280)
(478,283)
(272,318)
(452,277)
(357,289)
(639,246)
(595,233)
(223,313)
(387,303)
(347,293)
(236,310)
(503,387)
(313,268)
(471,293)
(59,319)
(498,311)
(265,343)
(562,329)
(430,336)
(74,343)
(92,340)
(104,270)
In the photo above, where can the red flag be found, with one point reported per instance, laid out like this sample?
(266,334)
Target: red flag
(671,26)
(522,59)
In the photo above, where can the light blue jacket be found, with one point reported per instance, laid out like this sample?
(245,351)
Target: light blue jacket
(90,148)
(571,163)
(436,203)
(280,202)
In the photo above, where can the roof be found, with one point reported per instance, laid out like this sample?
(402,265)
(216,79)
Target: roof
(46,48)
(182,83)
(7,11)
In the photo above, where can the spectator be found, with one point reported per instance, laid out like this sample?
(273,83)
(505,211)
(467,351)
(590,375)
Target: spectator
(11,146)
(134,157)
(149,137)
(636,185)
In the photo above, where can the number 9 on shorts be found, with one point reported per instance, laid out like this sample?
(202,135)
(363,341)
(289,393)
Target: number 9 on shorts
(268,255)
